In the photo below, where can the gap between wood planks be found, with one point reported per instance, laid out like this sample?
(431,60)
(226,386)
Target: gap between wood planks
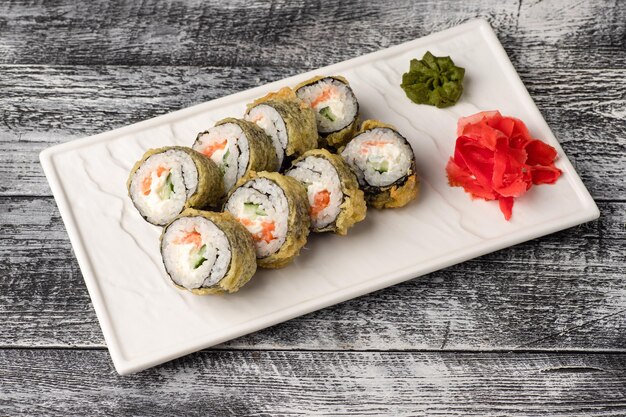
(266,349)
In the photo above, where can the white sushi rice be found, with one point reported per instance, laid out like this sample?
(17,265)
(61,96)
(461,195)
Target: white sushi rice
(227,145)
(181,258)
(150,200)
(271,201)
(333,101)
(379,157)
(319,175)
(268,119)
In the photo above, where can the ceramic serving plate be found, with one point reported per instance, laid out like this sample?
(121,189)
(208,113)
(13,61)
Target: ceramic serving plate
(147,321)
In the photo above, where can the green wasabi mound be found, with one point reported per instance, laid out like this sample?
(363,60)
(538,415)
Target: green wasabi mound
(433,80)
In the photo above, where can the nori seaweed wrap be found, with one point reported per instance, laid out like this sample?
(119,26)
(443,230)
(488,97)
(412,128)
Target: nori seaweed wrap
(336,108)
(384,163)
(275,210)
(237,146)
(207,253)
(288,121)
(333,191)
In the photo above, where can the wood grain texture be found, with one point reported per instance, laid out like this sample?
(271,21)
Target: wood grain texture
(564,291)
(62,383)
(305,34)
(48,105)
(69,70)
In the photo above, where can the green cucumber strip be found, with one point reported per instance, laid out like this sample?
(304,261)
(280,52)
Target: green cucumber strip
(250,208)
(198,261)
(167,189)
(198,258)
(328,114)
(253,209)
(380,167)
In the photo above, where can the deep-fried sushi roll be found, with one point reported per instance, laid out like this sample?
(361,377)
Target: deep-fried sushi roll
(207,253)
(336,108)
(336,201)
(384,164)
(275,210)
(167,180)
(288,121)
(237,147)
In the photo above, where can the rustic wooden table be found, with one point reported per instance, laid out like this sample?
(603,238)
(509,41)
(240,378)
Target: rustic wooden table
(537,329)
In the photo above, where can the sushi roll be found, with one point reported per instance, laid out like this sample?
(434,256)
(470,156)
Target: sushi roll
(336,108)
(207,253)
(288,121)
(335,199)
(275,210)
(384,164)
(167,180)
(237,147)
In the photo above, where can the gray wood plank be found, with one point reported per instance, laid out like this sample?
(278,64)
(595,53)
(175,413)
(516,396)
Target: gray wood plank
(297,33)
(564,291)
(48,105)
(245,383)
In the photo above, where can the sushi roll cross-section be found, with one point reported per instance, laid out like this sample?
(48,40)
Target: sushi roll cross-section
(336,108)
(288,121)
(384,163)
(167,180)
(275,210)
(333,192)
(237,147)
(207,253)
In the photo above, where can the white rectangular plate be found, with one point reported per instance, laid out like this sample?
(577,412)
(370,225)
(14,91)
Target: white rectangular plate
(146,321)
